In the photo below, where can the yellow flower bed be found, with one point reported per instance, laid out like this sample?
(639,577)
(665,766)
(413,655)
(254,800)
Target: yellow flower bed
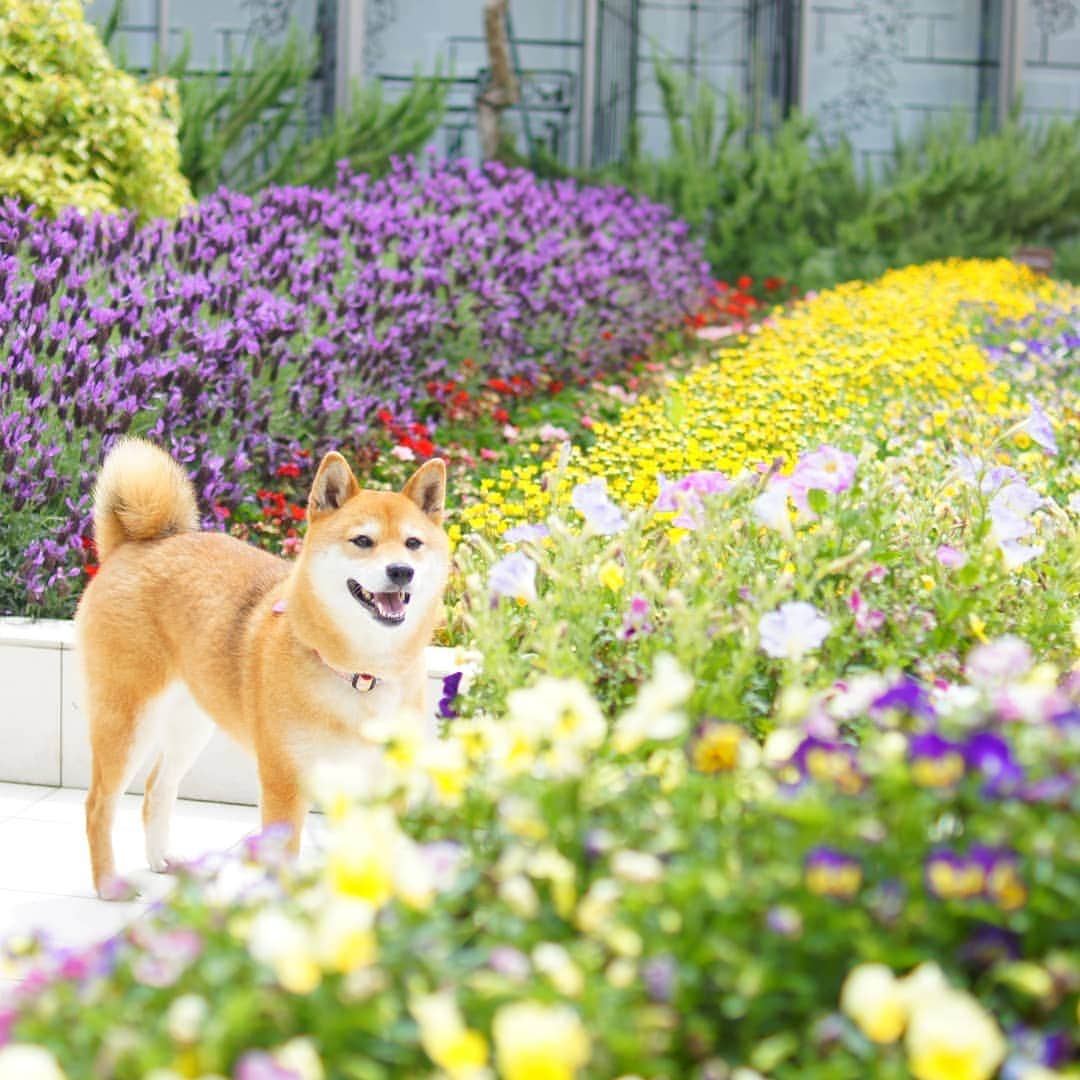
(884,360)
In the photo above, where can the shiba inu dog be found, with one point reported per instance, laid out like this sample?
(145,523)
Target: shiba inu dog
(181,629)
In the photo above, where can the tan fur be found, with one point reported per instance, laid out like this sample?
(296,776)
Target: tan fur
(177,615)
(141,494)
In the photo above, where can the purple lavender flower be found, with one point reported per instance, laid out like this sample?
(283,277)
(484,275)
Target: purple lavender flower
(213,335)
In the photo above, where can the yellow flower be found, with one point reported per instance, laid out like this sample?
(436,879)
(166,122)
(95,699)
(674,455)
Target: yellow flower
(655,715)
(872,997)
(978,627)
(611,576)
(21,1061)
(285,945)
(951,1036)
(344,935)
(539,1042)
(371,860)
(717,748)
(456,1049)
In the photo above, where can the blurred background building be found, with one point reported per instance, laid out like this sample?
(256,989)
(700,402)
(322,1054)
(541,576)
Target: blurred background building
(866,68)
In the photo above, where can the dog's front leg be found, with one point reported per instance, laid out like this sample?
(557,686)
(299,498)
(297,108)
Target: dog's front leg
(283,801)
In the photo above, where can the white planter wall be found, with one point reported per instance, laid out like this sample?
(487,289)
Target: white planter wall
(43,736)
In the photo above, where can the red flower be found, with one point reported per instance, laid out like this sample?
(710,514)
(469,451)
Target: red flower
(88,544)
(500,385)
(501,415)
(297,513)
(91,569)
(607,335)
(744,282)
(289,469)
(385,416)
(773,283)
(555,386)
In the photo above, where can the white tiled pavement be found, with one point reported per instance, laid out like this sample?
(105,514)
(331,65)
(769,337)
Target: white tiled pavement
(45,867)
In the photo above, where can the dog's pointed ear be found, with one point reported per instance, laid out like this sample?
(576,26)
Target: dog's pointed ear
(334,485)
(427,488)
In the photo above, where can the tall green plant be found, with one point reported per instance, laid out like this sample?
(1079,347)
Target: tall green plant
(793,203)
(251,128)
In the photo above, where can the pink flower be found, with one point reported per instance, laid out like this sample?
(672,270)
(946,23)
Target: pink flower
(949,557)
(551,433)
(488,455)
(824,469)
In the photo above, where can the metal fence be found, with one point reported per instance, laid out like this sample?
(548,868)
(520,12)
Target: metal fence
(864,68)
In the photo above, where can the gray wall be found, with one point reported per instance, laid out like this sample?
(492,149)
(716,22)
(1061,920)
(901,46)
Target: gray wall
(872,66)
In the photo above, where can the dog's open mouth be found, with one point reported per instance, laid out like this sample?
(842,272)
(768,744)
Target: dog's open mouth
(386,607)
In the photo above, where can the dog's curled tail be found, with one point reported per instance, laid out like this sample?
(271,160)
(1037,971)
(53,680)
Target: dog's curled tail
(141,494)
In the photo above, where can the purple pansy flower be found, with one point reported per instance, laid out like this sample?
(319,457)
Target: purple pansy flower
(908,696)
(450,685)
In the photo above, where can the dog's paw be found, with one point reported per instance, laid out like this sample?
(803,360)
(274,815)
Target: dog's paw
(164,864)
(116,889)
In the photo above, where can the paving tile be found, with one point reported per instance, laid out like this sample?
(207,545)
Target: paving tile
(17,797)
(71,921)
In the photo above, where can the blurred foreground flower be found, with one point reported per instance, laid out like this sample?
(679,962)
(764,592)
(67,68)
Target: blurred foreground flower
(459,1051)
(793,630)
(539,1042)
(514,576)
(655,715)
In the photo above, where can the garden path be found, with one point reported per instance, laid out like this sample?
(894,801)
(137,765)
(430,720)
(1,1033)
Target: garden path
(45,868)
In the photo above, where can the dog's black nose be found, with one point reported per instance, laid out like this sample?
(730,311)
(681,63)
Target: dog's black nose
(400,574)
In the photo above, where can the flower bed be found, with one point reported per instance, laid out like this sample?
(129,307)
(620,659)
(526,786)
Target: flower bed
(770,773)
(884,363)
(670,900)
(298,320)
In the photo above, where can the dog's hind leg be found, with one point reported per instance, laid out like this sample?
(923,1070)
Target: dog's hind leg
(119,740)
(185,730)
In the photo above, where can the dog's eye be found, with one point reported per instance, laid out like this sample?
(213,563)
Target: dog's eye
(413,543)
(363,541)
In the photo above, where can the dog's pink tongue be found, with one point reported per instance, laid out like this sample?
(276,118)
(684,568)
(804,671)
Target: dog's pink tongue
(390,603)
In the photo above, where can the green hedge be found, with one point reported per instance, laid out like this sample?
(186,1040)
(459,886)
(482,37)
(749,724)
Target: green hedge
(794,204)
(74,129)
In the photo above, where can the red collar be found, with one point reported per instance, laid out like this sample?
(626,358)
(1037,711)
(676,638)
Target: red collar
(359,680)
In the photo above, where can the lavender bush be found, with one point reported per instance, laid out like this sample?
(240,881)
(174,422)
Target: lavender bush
(255,327)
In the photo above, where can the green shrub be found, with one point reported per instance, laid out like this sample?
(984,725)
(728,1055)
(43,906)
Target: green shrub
(250,128)
(794,204)
(75,130)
